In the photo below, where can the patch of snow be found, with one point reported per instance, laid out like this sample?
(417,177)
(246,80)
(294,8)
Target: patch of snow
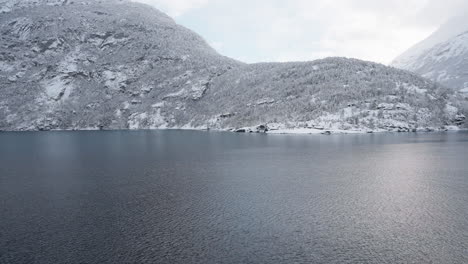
(393,98)
(11,117)
(403,106)
(179,93)
(441,76)
(453,128)
(135,120)
(265,101)
(311,131)
(451,110)
(55,44)
(126,106)
(199,89)
(110,41)
(158,105)
(146,89)
(385,106)
(4,67)
(114,80)
(88,128)
(68,64)
(5,9)
(295,131)
(17,76)
(275,126)
(348,112)
(414,89)
(58,88)
(157,120)
(145,120)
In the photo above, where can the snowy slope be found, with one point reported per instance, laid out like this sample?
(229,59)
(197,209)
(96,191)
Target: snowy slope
(442,57)
(100,65)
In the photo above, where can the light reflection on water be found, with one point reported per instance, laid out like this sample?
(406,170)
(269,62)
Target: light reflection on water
(195,197)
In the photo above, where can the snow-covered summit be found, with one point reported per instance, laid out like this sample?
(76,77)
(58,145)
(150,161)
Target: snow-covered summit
(443,56)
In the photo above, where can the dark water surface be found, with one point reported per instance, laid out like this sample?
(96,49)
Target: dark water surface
(200,197)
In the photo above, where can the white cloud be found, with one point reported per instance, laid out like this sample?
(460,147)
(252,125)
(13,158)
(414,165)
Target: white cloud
(277,30)
(175,8)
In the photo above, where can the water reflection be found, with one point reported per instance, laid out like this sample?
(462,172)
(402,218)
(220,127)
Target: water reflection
(185,197)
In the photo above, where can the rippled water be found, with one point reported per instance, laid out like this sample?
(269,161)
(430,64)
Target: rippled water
(200,197)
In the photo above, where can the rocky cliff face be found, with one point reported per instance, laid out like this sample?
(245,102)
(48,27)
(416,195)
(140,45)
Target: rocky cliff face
(114,64)
(92,64)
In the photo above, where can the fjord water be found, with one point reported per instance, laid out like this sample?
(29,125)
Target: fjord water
(207,197)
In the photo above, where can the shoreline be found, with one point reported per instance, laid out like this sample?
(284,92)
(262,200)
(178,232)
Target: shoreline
(285,131)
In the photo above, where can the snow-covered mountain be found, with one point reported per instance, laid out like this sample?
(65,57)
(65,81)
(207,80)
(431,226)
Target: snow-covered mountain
(442,57)
(116,64)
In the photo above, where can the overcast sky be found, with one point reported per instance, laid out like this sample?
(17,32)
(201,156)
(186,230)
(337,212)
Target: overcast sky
(298,30)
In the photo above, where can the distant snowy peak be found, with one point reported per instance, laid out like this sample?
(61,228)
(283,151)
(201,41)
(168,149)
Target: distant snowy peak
(450,29)
(442,57)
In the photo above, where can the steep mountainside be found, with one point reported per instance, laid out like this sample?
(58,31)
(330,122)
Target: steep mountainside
(79,63)
(115,64)
(442,57)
